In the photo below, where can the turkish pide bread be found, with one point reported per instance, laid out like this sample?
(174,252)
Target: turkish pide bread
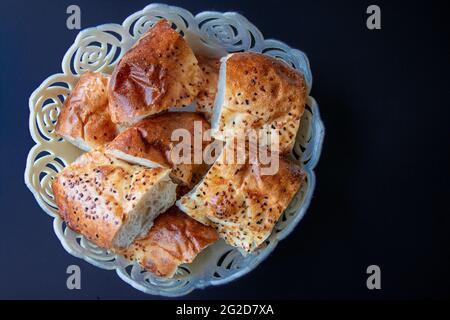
(258,92)
(241,203)
(160,71)
(205,100)
(84,119)
(110,201)
(150,143)
(142,155)
(174,238)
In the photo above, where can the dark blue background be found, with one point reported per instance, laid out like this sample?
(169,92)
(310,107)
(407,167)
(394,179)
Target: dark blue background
(383,179)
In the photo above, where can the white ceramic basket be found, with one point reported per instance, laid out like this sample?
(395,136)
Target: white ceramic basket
(99,49)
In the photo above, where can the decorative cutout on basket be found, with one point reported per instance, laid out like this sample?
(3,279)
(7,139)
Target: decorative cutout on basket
(99,49)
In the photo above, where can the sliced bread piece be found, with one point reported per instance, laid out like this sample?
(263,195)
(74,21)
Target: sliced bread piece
(84,119)
(261,93)
(150,143)
(174,238)
(159,72)
(110,201)
(239,201)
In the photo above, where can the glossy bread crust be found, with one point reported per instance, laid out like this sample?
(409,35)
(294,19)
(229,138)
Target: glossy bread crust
(175,238)
(85,118)
(160,71)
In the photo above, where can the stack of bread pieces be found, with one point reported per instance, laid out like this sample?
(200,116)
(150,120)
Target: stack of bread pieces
(129,194)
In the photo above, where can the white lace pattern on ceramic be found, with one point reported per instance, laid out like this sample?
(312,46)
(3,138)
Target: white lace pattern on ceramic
(99,49)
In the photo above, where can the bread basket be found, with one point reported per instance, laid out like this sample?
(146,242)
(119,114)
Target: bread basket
(99,49)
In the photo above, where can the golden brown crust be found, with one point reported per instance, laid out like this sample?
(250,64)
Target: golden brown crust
(95,193)
(240,202)
(160,71)
(205,99)
(85,116)
(175,238)
(262,93)
(151,139)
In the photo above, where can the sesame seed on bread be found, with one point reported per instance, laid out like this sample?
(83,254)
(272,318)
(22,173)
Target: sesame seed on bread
(240,202)
(258,92)
(110,201)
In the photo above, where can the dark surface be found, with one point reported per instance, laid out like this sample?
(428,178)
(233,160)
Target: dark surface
(383,178)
